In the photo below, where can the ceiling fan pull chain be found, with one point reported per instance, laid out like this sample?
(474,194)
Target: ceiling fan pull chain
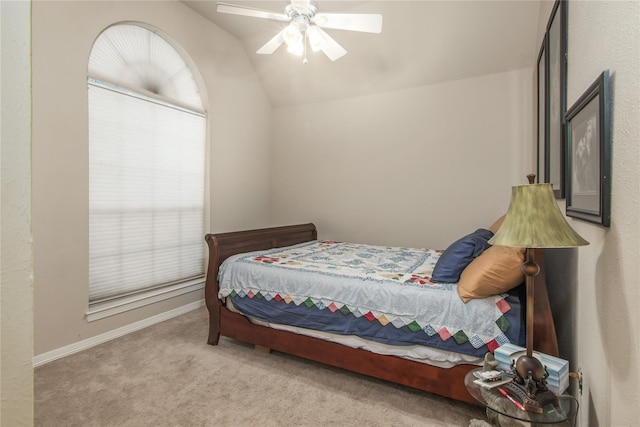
(305,60)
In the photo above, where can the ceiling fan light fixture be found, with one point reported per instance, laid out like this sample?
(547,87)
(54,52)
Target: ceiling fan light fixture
(296,49)
(316,39)
(292,34)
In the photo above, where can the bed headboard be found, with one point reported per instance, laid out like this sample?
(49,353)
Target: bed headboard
(544,330)
(224,245)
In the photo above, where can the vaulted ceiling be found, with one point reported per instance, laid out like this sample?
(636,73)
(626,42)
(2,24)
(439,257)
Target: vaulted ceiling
(422,42)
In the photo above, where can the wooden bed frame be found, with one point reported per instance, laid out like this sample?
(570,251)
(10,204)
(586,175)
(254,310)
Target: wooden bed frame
(448,382)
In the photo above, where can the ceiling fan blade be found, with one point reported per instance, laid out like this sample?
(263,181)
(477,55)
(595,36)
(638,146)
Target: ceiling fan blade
(330,47)
(272,45)
(249,11)
(365,22)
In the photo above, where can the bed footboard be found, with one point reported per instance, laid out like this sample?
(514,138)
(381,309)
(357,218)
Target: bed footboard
(224,245)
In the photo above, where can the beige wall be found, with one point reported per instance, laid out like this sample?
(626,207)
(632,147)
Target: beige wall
(63,33)
(606,35)
(16,290)
(417,167)
(604,341)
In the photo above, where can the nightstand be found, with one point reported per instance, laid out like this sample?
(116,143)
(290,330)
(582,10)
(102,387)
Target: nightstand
(562,413)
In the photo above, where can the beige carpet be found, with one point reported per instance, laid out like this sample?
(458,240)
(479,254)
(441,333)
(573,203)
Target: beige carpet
(166,375)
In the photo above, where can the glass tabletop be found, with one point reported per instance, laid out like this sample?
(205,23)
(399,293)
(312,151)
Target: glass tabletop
(564,409)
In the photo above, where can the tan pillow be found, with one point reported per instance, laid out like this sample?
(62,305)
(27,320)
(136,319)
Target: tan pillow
(496,270)
(494,227)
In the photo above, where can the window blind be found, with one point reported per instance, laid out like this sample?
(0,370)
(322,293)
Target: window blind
(146,194)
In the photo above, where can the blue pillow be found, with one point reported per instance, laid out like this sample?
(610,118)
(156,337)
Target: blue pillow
(460,254)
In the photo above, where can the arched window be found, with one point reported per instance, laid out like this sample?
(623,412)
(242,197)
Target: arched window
(146,172)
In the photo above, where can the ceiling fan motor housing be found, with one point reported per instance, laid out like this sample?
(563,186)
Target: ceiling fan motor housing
(301,7)
(301,12)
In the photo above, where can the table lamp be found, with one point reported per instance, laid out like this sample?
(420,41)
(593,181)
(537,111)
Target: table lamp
(534,221)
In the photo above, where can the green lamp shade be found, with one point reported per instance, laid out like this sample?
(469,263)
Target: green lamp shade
(535,221)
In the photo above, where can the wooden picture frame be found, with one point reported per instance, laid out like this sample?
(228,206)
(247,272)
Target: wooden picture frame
(589,155)
(543,136)
(556,63)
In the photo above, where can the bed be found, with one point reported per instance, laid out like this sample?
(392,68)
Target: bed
(407,348)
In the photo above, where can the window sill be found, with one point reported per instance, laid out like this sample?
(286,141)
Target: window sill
(111,308)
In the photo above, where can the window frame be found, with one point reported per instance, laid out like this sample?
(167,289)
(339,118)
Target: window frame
(110,306)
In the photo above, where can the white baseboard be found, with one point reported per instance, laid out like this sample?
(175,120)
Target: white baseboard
(67,350)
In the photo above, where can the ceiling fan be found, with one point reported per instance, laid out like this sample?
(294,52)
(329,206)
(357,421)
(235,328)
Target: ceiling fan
(306,27)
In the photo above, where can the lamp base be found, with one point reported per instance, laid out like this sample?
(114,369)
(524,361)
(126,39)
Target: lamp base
(529,384)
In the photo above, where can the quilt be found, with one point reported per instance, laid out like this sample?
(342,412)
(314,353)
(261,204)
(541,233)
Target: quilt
(386,286)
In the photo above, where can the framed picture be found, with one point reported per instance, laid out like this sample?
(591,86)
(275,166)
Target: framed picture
(543,170)
(589,155)
(556,60)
